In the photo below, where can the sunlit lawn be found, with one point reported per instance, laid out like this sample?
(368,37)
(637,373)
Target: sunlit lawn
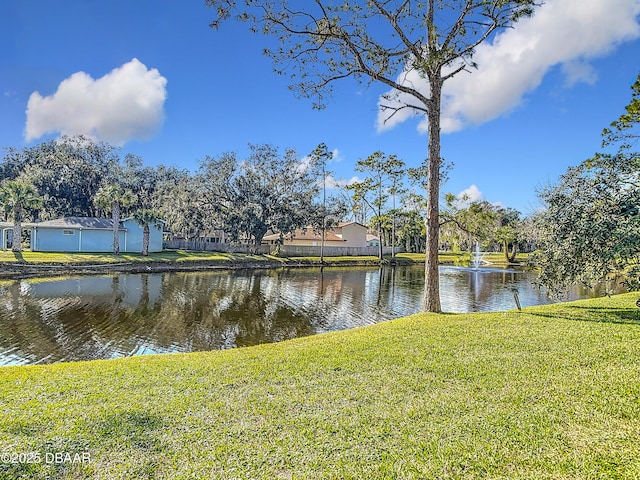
(87,258)
(463,258)
(183,256)
(552,392)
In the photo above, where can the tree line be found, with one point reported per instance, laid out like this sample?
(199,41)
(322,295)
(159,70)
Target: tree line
(588,228)
(267,191)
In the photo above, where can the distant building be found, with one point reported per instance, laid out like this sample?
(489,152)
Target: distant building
(7,234)
(345,234)
(372,240)
(89,234)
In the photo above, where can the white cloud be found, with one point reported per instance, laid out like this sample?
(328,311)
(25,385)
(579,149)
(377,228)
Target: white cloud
(125,104)
(568,33)
(468,196)
(334,183)
(579,71)
(353,180)
(304,164)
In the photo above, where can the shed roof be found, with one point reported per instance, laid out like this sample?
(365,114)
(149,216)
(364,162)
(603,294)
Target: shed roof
(87,223)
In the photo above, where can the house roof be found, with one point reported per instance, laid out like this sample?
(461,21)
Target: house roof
(86,223)
(306,234)
(344,224)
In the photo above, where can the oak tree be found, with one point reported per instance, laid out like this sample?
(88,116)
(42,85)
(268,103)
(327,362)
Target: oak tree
(590,226)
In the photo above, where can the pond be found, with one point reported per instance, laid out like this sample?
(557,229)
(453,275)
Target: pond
(96,317)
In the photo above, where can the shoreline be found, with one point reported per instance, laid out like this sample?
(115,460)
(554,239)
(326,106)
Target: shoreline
(52,265)
(20,271)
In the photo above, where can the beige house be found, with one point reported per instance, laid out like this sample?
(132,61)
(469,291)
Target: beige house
(345,234)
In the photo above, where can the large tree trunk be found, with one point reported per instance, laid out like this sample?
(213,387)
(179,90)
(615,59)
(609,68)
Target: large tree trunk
(432,222)
(17,237)
(145,240)
(115,218)
(17,229)
(510,257)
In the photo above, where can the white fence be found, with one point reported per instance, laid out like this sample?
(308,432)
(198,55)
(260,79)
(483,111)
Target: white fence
(212,247)
(285,250)
(308,251)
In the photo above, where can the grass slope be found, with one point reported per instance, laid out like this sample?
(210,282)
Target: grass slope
(187,259)
(28,256)
(551,392)
(107,258)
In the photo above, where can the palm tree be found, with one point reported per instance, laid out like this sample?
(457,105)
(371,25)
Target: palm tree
(146,217)
(17,196)
(114,197)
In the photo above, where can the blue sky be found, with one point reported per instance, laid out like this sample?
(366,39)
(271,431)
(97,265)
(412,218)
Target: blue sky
(153,77)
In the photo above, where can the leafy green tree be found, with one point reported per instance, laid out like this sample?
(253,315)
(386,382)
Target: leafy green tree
(464,225)
(396,172)
(412,231)
(625,131)
(178,197)
(267,191)
(383,175)
(412,225)
(590,226)
(507,231)
(17,197)
(145,218)
(375,42)
(113,198)
(319,159)
(355,197)
(67,173)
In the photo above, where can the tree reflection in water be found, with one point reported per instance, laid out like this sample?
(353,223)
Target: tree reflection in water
(92,317)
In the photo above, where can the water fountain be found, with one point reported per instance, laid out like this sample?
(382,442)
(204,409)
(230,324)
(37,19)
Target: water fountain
(477,258)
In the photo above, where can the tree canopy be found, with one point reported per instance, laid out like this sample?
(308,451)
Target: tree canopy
(266,191)
(590,227)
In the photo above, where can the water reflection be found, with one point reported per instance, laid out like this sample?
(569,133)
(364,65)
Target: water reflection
(90,317)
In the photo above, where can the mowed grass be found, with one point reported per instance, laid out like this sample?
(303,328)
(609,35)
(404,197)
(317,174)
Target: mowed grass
(170,256)
(493,259)
(551,392)
(183,256)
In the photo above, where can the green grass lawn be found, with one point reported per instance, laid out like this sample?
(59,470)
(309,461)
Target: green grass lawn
(183,256)
(97,258)
(551,392)
(464,258)
(167,256)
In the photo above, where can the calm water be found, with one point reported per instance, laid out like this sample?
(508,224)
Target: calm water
(92,317)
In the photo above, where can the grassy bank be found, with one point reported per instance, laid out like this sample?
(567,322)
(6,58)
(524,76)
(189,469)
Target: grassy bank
(29,264)
(464,258)
(169,256)
(551,392)
(179,257)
